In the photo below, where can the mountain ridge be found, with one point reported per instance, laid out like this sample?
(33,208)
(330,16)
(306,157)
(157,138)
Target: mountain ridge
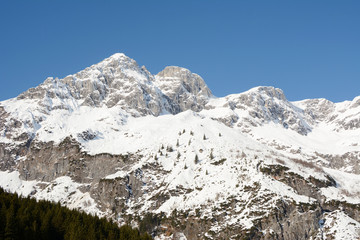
(116,141)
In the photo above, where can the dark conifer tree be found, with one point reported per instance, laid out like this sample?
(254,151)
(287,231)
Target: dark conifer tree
(196,159)
(11,223)
(2,220)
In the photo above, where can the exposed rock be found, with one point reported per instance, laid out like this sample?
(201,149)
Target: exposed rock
(185,89)
(119,81)
(268,104)
(47,161)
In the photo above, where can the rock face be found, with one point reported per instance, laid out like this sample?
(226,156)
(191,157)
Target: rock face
(268,104)
(185,89)
(119,81)
(162,152)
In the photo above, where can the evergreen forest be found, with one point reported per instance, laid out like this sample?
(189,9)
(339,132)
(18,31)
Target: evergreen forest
(27,218)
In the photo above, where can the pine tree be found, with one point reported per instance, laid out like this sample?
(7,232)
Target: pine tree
(2,220)
(211,155)
(11,224)
(45,229)
(57,221)
(91,231)
(196,159)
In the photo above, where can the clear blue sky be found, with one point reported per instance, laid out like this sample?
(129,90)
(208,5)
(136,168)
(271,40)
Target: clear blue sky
(308,48)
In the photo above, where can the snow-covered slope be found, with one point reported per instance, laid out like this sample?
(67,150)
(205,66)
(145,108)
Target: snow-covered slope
(116,140)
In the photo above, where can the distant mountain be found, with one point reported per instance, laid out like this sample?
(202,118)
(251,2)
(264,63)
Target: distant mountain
(116,141)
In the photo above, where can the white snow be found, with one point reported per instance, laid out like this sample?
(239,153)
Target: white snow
(62,190)
(339,226)
(347,189)
(11,181)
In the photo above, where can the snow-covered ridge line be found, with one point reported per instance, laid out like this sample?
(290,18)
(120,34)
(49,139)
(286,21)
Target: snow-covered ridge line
(110,92)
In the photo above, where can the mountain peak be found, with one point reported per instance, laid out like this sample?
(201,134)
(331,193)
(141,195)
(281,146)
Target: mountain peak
(178,77)
(174,71)
(119,81)
(268,91)
(118,55)
(185,88)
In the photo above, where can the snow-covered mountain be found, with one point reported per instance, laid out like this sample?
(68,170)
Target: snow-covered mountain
(117,141)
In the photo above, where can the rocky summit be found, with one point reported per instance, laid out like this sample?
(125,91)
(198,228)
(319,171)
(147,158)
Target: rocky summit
(161,153)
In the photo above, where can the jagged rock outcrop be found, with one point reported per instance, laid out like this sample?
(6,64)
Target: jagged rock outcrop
(119,81)
(318,109)
(47,161)
(341,116)
(185,89)
(264,105)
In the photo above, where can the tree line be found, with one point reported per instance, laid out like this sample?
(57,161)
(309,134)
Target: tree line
(27,218)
